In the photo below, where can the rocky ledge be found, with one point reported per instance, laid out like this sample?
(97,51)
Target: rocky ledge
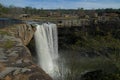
(16,62)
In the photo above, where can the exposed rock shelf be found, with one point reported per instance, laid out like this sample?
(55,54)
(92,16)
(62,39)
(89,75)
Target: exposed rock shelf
(15,59)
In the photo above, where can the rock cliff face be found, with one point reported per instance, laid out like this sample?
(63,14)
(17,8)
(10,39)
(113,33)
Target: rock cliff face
(25,33)
(15,59)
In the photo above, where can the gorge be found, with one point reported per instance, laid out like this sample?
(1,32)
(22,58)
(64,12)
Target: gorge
(83,51)
(87,51)
(60,42)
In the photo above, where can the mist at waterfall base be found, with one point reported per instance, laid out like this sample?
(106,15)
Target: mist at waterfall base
(47,48)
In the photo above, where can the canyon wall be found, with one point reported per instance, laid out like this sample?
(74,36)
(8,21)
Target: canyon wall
(16,62)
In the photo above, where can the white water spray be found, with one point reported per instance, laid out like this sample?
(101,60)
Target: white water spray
(47,47)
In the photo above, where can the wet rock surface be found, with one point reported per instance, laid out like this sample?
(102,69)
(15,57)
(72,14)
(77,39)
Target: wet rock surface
(16,62)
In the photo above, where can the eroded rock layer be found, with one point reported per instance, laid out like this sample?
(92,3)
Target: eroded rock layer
(15,59)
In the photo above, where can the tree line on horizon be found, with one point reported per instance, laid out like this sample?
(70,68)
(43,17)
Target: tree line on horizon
(13,10)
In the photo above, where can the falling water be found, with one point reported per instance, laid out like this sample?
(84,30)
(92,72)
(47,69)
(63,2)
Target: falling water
(47,47)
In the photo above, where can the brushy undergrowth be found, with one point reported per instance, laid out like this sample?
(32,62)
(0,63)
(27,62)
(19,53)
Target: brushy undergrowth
(104,66)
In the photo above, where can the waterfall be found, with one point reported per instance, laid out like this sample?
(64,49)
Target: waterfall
(47,47)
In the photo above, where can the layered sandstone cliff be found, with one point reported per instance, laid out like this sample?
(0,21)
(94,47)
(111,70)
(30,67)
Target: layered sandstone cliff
(15,59)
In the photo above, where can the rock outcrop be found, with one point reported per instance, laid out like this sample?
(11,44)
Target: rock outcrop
(15,59)
(25,33)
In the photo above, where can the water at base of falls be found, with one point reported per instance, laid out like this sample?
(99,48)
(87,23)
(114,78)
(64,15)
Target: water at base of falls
(47,47)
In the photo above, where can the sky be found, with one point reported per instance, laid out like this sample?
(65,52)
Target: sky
(66,4)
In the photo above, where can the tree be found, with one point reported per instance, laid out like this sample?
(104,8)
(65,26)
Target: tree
(80,8)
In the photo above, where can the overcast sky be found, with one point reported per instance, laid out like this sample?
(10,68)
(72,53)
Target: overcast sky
(67,4)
